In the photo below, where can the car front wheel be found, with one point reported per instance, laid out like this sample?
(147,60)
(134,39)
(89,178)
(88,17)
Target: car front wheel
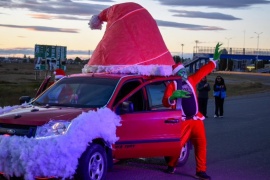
(92,164)
(184,154)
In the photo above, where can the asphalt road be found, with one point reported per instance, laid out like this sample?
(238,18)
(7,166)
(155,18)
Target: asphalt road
(238,146)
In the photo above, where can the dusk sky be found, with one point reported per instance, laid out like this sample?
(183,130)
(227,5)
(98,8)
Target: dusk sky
(235,23)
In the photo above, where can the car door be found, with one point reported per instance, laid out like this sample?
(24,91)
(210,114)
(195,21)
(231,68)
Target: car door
(150,130)
(44,85)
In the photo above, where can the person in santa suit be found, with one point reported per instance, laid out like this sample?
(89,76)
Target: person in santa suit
(58,74)
(185,99)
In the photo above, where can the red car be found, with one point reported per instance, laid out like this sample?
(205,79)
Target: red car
(81,124)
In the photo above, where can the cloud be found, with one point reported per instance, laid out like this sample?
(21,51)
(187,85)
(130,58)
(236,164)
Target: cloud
(17,50)
(52,9)
(76,52)
(214,3)
(198,14)
(63,17)
(30,52)
(42,28)
(187,26)
(68,7)
(42,16)
(82,10)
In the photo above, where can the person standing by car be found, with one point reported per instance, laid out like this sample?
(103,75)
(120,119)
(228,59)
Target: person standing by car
(219,94)
(192,126)
(203,90)
(63,93)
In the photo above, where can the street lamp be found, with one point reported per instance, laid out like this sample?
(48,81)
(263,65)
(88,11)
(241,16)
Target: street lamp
(228,42)
(182,52)
(227,67)
(258,37)
(196,41)
(244,39)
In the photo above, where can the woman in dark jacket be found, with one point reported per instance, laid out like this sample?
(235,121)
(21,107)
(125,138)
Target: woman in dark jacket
(219,94)
(203,88)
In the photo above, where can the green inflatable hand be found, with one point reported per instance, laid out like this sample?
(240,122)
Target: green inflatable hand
(179,94)
(217,52)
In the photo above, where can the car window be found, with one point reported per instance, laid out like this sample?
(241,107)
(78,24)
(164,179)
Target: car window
(146,97)
(126,89)
(135,102)
(155,93)
(79,92)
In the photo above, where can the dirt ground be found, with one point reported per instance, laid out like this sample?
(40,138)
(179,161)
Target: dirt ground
(17,79)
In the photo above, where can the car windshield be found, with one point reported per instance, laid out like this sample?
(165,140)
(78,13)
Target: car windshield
(88,92)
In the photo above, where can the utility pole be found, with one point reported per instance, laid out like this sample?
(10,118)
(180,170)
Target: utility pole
(228,44)
(244,44)
(196,41)
(258,38)
(182,52)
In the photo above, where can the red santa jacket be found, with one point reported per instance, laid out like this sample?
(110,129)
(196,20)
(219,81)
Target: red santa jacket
(189,105)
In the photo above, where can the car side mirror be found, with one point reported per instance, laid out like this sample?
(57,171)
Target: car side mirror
(126,107)
(24,99)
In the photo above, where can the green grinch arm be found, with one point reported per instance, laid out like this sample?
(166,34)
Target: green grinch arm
(179,94)
(217,52)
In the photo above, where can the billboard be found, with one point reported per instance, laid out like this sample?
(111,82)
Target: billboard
(50,52)
(49,57)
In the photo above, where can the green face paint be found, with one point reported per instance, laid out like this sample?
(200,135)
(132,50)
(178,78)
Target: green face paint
(183,73)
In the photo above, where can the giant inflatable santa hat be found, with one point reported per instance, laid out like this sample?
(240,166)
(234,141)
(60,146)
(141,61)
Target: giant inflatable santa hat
(132,43)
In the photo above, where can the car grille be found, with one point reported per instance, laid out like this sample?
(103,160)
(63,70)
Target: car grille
(17,130)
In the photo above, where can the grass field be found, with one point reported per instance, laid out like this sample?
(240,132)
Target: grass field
(17,80)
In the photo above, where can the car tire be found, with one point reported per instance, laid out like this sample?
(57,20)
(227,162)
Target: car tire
(92,164)
(184,154)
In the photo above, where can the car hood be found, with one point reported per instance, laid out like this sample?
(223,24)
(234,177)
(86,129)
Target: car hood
(39,115)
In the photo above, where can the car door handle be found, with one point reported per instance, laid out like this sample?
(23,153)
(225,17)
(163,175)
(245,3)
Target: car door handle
(172,121)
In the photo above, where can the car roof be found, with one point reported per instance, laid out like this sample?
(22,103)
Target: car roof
(112,76)
(126,77)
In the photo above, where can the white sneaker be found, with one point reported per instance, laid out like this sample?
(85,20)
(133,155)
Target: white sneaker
(215,116)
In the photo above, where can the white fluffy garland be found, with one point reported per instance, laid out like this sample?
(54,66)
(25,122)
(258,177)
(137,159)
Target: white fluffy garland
(57,156)
(155,70)
(7,109)
(95,22)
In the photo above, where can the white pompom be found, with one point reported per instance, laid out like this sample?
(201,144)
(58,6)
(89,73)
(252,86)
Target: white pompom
(95,22)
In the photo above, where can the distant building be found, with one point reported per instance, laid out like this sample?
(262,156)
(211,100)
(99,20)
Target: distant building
(232,59)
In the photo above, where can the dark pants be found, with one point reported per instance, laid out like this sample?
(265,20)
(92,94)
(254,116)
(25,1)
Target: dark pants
(202,102)
(219,106)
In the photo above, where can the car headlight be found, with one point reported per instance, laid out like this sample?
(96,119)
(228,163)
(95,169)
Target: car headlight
(52,128)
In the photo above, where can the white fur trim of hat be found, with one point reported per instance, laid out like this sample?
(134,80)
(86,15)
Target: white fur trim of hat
(177,67)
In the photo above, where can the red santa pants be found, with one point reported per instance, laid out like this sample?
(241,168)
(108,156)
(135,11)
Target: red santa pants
(195,131)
